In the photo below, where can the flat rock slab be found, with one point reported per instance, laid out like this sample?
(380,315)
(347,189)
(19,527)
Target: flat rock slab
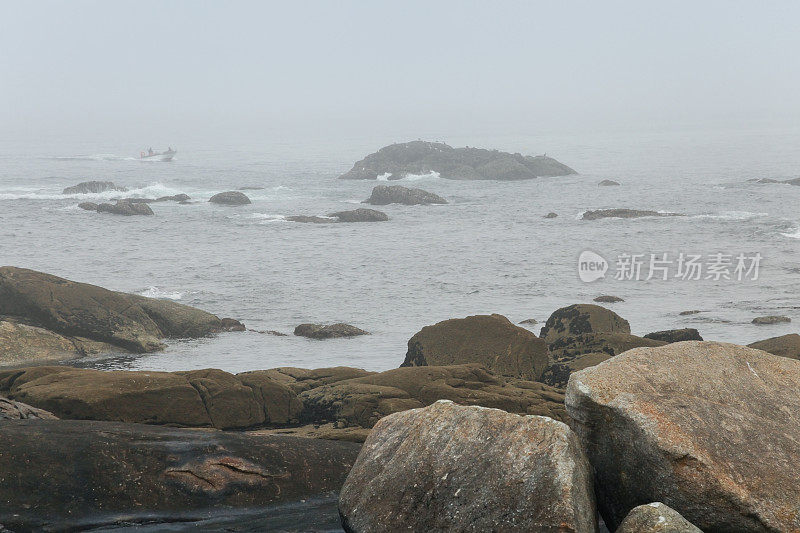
(453,468)
(81,473)
(710,429)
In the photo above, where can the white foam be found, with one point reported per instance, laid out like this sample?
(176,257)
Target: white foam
(794,235)
(154,190)
(732,215)
(155,292)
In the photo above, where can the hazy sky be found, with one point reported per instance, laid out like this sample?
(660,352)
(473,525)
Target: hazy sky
(127,67)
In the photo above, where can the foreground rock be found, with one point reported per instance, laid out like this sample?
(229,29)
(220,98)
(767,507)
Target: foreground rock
(134,323)
(125,207)
(329,331)
(656,518)
(675,335)
(608,183)
(396,194)
(11,410)
(453,468)
(558,372)
(419,157)
(624,213)
(491,340)
(360,215)
(230,198)
(678,424)
(769,320)
(783,346)
(104,473)
(92,187)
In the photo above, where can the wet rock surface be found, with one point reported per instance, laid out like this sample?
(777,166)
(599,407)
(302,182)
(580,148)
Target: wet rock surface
(455,468)
(230,198)
(360,215)
(328,331)
(675,335)
(625,213)
(92,187)
(396,194)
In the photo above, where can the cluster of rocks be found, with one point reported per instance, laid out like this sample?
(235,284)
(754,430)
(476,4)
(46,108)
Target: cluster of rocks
(397,161)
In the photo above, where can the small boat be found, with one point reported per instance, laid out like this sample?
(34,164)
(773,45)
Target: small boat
(166,155)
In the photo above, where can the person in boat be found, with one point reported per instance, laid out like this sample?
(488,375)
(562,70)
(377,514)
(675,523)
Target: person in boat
(150,151)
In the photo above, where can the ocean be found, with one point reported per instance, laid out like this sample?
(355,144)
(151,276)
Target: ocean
(489,250)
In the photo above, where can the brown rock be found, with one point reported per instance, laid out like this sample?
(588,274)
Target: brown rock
(453,468)
(608,299)
(783,346)
(491,340)
(656,518)
(675,335)
(557,373)
(579,319)
(767,320)
(230,198)
(678,423)
(302,379)
(332,331)
(23,344)
(396,194)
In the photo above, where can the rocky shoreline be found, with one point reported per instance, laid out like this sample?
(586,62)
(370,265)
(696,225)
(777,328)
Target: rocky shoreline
(485,425)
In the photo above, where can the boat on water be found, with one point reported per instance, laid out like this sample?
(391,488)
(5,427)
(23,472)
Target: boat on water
(166,155)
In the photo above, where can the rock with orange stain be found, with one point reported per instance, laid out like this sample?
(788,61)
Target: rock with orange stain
(710,429)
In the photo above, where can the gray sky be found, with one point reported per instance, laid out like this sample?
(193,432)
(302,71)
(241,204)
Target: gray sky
(126,67)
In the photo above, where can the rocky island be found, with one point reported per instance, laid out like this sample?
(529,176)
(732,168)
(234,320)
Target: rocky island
(397,161)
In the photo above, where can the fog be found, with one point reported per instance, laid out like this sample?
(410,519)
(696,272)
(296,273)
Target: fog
(332,68)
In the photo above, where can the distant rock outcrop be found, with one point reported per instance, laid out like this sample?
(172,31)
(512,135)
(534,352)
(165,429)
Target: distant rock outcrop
(420,157)
(396,194)
(772,319)
(92,187)
(551,215)
(675,335)
(625,213)
(608,299)
(331,331)
(360,215)
(125,207)
(608,183)
(230,198)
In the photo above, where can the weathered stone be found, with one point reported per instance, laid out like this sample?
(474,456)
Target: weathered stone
(625,213)
(230,198)
(88,206)
(453,468)
(330,331)
(529,321)
(783,346)
(70,475)
(608,183)
(579,319)
(24,344)
(708,428)
(92,187)
(491,340)
(302,379)
(11,410)
(608,299)
(656,518)
(675,335)
(557,373)
(396,194)
(568,348)
(360,215)
(126,208)
(767,320)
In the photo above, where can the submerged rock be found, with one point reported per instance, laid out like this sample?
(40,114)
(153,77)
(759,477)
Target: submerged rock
(92,187)
(656,518)
(88,206)
(420,157)
(127,208)
(360,215)
(330,331)
(690,312)
(678,424)
(453,468)
(768,320)
(109,473)
(396,194)
(625,213)
(230,198)
(134,323)
(608,183)
(491,340)
(551,215)
(608,299)
(783,346)
(675,335)
(310,219)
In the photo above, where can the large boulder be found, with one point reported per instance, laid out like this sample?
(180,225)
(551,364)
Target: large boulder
(625,213)
(656,518)
(558,372)
(71,475)
(710,429)
(579,319)
(491,340)
(230,198)
(675,335)
(11,410)
(453,468)
(364,400)
(784,346)
(92,187)
(303,379)
(360,215)
(129,321)
(22,344)
(420,157)
(328,331)
(568,348)
(125,207)
(197,398)
(396,194)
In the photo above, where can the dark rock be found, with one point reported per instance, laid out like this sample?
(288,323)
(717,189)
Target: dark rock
(625,213)
(783,346)
(767,320)
(418,472)
(270,332)
(692,312)
(675,335)
(656,518)
(174,198)
(608,299)
(251,188)
(608,183)
(111,473)
(230,198)
(197,398)
(311,219)
(231,324)
(332,331)
(360,215)
(129,321)
(396,194)
(557,373)
(678,424)
(579,319)
(92,187)
(491,340)
(530,321)
(124,207)
(420,157)
(551,215)
(89,206)
(11,410)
